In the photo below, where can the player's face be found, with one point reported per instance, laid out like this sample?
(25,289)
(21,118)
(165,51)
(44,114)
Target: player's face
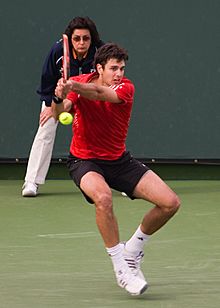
(113,72)
(81,40)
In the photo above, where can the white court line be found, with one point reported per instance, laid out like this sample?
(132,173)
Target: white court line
(68,235)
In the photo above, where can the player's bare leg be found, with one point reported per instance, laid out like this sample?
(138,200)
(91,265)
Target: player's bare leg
(156,191)
(166,204)
(95,187)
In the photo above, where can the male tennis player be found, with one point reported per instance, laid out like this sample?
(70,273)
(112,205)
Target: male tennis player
(102,103)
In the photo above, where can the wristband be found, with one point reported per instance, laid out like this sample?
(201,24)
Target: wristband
(57,100)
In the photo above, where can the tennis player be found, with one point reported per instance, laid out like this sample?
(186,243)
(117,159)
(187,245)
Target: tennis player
(98,162)
(83,41)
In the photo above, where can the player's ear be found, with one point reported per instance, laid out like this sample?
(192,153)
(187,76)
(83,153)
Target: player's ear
(99,69)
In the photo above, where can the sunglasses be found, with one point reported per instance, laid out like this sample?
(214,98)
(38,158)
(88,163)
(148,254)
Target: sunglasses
(78,38)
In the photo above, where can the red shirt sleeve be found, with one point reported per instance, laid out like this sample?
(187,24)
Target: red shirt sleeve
(125,91)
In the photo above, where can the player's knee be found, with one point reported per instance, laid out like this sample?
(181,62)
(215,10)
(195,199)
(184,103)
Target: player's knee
(176,203)
(104,201)
(173,205)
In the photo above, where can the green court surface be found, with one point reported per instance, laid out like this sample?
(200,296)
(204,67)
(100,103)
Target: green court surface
(52,256)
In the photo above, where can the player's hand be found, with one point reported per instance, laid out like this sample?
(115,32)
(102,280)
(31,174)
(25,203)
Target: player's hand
(59,88)
(45,115)
(63,88)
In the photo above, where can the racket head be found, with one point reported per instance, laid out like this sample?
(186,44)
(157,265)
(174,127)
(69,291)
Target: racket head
(66,58)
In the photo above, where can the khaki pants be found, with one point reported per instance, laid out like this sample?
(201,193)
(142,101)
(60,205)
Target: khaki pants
(41,152)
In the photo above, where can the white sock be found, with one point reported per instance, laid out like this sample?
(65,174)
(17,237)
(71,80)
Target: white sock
(115,254)
(136,243)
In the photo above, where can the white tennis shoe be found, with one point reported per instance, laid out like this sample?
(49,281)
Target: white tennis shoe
(29,189)
(130,282)
(134,261)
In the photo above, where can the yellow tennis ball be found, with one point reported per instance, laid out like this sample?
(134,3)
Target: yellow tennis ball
(65,118)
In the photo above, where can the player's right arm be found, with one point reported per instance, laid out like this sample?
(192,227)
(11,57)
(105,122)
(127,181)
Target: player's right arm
(88,90)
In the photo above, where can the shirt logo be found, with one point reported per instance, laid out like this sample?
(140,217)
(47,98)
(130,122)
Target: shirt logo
(115,87)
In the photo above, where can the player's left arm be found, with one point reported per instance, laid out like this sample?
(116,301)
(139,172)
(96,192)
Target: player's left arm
(57,109)
(87,90)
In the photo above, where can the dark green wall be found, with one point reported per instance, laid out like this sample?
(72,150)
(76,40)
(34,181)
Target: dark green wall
(174,49)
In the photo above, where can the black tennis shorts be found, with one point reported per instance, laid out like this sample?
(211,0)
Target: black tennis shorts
(122,174)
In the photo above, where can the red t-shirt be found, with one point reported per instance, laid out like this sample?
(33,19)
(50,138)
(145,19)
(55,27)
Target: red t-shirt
(100,128)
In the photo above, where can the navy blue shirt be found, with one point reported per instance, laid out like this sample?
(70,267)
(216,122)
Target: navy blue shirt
(51,71)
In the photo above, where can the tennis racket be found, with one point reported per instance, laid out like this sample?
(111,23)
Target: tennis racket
(66,58)
(65,65)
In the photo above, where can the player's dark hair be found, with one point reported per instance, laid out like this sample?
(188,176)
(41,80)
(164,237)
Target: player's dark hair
(83,23)
(109,51)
